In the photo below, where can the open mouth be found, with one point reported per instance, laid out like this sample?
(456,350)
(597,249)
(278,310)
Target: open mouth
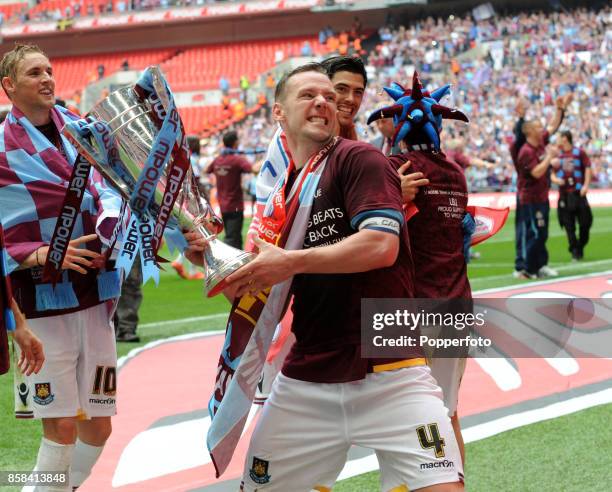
(347,110)
(46,92)
(318,119)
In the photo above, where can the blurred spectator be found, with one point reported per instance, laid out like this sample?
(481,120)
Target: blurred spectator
(245,85)
(126,315)
(534,56)
(270,86)
(306,49)
(228,168)
(224,85)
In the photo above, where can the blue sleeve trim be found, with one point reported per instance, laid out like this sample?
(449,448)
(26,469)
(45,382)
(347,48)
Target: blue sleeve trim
(385,212)
(381,229)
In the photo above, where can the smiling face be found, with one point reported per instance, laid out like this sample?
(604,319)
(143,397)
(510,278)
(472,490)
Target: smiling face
(33,87)
(349,88)
(307,110)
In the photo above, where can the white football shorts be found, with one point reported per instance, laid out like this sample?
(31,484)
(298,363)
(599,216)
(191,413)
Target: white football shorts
(302,438)
(79,375)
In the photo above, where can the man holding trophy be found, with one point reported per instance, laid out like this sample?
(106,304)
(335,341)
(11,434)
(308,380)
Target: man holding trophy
(342,239)
(57,267)
(62,222)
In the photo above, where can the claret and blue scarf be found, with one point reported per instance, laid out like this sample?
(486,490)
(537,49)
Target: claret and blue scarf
(34,174)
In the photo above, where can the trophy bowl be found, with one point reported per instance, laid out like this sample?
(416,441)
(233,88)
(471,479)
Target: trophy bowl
(133,128)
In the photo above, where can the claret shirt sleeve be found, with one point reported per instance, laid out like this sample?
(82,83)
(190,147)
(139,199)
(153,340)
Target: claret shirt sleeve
(372,190)
(527,160)
(245,165)
(584,158)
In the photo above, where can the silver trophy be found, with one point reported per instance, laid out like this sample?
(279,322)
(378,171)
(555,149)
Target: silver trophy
(133,126)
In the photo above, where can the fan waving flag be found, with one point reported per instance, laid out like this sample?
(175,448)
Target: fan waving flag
(488,222)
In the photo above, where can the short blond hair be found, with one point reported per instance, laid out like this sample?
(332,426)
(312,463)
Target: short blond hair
(12,59)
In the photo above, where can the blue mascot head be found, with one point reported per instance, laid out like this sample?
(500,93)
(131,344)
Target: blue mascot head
(416,114)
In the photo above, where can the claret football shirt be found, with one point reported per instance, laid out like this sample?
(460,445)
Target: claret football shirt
(358,184)
(436,231)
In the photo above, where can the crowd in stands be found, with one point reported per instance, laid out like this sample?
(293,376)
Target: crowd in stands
(491,64)
(57,9)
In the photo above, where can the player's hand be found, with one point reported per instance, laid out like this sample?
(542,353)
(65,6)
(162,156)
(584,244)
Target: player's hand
(583,191)
(271,266)
(567,99)
(196,244)
(410,182)
(552,151)
(76,258)
(521,107)
(555,163)
(32,354)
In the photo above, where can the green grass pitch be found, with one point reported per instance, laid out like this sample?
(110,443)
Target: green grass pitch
(568,453)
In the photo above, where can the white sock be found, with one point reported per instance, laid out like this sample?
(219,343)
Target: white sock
(52,456)
(83,460)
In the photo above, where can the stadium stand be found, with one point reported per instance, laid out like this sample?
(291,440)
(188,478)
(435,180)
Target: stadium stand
(10,9)
(544,55)
(201,67)
(72,74)
(484,60)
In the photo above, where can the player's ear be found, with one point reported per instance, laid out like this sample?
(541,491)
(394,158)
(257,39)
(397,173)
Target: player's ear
(8,85)
(278,112)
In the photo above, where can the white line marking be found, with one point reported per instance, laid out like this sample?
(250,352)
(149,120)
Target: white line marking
(501,371)
(497,426)
(195,319)
(571,267)
(554,410)
(537,282)
(167,449)
(183,320)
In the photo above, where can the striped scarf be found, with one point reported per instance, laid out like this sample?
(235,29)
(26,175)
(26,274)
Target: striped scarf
(252,323)
(33,178)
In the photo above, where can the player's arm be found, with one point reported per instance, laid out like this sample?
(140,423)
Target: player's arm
(477,162)
(540,169)
(366,250)
(255,168)
(556,179)
(32,355)
(588,175)
(519,136)
(76,258)
(561,104)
